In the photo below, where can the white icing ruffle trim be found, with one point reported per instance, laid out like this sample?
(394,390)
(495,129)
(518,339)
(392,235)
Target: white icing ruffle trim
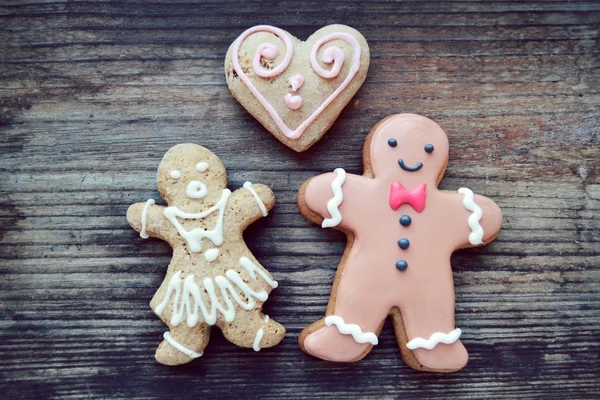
(434,340)
(476,236)
(351,329)
(338,196)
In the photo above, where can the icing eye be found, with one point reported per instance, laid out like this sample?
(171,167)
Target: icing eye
(202,166)
(175,174)
(392,142)
(429,148)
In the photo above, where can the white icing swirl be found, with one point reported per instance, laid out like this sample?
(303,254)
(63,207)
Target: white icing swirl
(476,235)
(338,197)
(351,329)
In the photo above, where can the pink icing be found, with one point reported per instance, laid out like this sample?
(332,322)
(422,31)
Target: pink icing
(415,197)
(293,102)
(266,50)
(296,82)
(331,55)
(368,284)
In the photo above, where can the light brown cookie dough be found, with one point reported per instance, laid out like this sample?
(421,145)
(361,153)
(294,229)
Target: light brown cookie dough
(213,278)
(296,89)
(401,232)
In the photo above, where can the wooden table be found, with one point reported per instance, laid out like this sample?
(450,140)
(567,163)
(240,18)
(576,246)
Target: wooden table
(93,93)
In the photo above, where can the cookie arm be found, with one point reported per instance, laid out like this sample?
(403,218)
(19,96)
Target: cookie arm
(322,198)
(148,219)
(481,218)
(250,202)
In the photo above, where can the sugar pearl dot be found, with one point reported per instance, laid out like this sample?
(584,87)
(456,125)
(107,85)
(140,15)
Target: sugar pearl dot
(175,174)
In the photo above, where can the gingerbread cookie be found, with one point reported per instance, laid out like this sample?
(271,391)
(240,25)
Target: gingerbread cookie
(213,278)
(296,89)
(401,232)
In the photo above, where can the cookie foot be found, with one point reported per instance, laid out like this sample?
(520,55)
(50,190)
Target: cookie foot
(443,357)
(171,352)
(268,335)
(329,344)
(254,330)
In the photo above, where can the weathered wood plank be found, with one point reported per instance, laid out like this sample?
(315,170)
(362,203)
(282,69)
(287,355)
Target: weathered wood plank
(92,93)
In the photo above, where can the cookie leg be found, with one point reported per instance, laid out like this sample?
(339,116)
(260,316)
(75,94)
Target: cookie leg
(426,332)
(253,329)
(350,330)
(182,344)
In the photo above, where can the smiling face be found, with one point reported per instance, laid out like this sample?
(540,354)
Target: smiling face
(191,177)
(408,148)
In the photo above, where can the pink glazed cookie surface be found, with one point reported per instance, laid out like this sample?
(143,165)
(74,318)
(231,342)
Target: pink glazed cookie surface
(401,233)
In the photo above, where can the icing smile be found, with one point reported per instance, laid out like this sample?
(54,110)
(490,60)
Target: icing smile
(409,169)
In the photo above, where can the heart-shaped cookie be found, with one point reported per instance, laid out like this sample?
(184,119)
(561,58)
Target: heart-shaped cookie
(296,89)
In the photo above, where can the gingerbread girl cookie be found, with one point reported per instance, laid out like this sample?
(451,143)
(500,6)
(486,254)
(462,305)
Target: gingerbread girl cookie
(213,278)
(401,232)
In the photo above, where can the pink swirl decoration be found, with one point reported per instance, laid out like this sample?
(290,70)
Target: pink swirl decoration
(332,55)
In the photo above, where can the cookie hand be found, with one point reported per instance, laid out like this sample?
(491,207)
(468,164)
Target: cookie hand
(323,200)
(483,219)
(148,219)
(251,202)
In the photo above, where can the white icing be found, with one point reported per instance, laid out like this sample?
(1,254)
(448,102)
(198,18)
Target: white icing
(338,197)
(196,190)
(434,340)
(202,166)
(175,174)
(476,235)
(261,205)
(192,296)
(351,329)
(195,236)
(143,233)
(252,268)
(188,352)
(259,335)
(211,254)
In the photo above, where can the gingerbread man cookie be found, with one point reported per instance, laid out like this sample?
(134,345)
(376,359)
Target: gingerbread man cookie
(401,232)
(213,278)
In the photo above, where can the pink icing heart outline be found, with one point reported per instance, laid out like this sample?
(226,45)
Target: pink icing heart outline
(267,50)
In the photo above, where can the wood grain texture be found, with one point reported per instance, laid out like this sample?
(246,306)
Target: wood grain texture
(92,93)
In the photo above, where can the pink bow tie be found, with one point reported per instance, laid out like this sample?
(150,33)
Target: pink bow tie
(414,197)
